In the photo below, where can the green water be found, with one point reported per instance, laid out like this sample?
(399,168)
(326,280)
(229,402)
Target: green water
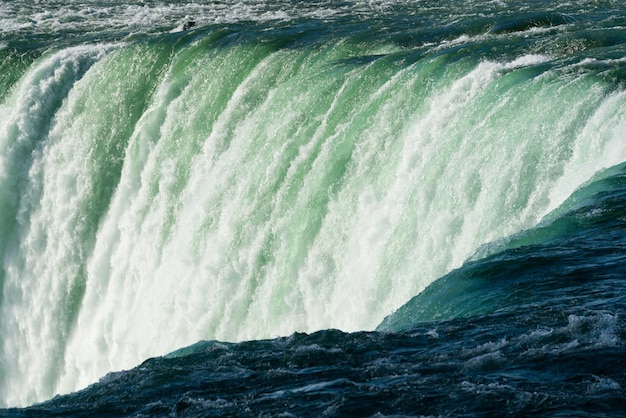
(247,180)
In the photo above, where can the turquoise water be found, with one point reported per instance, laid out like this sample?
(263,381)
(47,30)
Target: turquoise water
(296,167)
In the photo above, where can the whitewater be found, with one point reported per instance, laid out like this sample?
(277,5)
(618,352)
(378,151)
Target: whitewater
(279,168)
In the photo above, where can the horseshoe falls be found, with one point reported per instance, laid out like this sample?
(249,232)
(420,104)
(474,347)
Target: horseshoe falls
(307,208)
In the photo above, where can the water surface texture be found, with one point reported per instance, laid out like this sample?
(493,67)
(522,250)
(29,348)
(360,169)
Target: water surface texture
(339,208)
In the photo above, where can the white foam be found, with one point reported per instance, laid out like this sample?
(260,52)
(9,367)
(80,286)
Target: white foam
(159,16)
(604,62)
(527,61)
(24,161)
(602,385)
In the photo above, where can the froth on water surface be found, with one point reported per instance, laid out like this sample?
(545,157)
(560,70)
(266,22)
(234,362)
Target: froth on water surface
(296,166)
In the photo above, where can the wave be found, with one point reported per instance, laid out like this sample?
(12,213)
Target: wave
(566,261)
(246,181)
